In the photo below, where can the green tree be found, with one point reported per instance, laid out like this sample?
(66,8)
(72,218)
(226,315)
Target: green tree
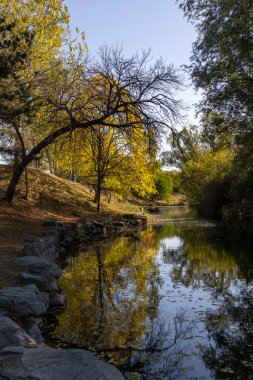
(164,184)
(221,63)
(32,38)
(221,66)
(201,161)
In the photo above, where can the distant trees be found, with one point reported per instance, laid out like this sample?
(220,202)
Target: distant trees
(117,162)
(205,166)
(164,184)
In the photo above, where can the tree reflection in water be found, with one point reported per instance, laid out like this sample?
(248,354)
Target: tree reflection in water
(230,356)
(123,298)
(111,297)
(163,350)
(201,259)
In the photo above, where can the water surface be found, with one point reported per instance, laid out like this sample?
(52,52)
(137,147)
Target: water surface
(172,302)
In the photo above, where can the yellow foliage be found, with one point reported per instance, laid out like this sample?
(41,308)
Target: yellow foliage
(204,166)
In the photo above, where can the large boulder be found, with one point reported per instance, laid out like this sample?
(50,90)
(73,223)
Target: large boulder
(43,283)
(42,247)
(22,301)
(13,335)
(39,266)
(17,363)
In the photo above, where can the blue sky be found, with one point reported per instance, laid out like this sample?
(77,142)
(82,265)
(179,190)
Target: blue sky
(137,25)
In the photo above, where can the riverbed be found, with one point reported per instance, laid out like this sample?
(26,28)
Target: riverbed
(172,302)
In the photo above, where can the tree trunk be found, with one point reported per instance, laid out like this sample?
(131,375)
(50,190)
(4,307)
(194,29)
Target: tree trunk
(26,185)
(26,160)
(98,188)
(95,196)
(98,192)
(16,174)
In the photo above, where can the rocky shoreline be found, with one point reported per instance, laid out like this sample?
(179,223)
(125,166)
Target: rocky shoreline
(23,353)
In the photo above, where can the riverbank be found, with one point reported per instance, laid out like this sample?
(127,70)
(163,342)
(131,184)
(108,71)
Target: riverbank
(21,307)
(34,235)
(49,198)
(52,198)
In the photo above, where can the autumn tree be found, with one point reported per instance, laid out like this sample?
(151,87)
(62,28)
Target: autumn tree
(109,160)
(32,41)
(111,91)
(14,92)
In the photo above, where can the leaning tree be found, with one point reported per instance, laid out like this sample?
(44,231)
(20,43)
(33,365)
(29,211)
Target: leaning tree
(112,91)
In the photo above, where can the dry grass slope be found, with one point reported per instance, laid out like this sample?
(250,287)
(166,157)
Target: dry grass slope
(50,197)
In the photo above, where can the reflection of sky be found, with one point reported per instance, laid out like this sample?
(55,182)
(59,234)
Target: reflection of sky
(171,243)
(194,302)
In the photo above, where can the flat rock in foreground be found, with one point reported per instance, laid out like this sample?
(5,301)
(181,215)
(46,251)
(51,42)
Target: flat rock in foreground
(18,363)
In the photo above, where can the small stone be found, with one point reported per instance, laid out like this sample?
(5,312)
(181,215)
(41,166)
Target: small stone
(57,300)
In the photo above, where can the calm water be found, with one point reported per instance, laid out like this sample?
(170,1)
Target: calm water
(173,302)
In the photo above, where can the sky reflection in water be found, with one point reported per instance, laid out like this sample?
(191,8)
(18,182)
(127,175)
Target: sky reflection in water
(173,302)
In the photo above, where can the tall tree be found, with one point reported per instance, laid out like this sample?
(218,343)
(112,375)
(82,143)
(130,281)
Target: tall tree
(221,66)
(221,63)
(109,160)
(32,38)
(112,91)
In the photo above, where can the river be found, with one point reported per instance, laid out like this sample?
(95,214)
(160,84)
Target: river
(172,302)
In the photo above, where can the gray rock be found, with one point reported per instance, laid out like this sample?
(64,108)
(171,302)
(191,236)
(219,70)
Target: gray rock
(119,224)
(98,225)
(39,265)
(34,332)
(66,241)
(22,301)
(39,281)
(13,335)
(52,223)
(45,296)
(17,363)
(90,230)
(45,284)
(58,300)
(42,247)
